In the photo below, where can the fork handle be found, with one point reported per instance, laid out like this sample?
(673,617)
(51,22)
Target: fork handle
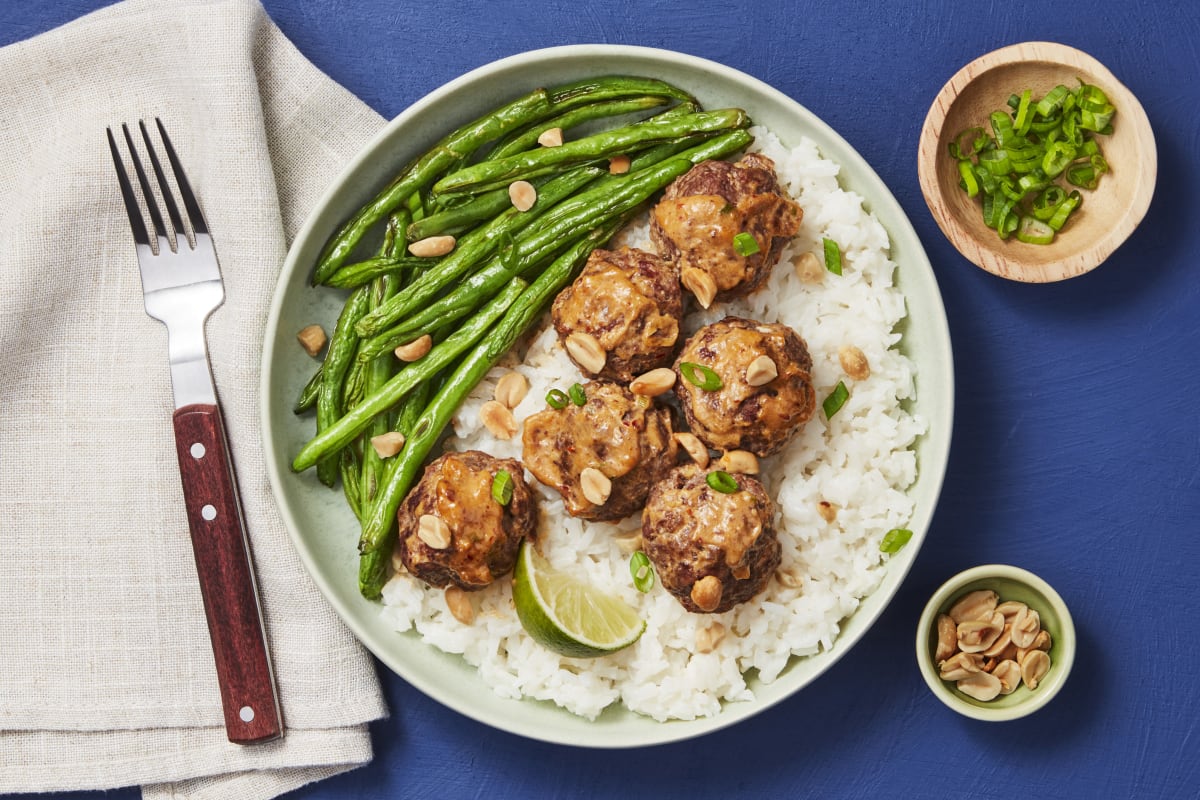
(223,561)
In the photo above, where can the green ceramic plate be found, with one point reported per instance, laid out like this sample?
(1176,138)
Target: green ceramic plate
(323,528)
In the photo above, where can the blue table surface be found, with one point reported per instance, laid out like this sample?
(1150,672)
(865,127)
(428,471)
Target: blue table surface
(1076,449)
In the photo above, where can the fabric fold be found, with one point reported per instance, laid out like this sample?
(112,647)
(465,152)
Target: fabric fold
(106,671)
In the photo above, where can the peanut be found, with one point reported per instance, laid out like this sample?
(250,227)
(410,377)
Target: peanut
(312,338)
(388,444)
(653,383)
(498,419)
(416,349)
(432,246)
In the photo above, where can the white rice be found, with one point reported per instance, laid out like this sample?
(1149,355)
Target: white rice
(861,461)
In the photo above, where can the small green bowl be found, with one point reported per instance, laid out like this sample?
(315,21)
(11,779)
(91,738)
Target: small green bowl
(1010,583)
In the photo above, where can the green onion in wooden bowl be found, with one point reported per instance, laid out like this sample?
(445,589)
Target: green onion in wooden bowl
(1036,162)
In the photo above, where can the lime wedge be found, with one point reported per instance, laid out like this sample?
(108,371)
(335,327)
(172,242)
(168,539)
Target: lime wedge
(569,616)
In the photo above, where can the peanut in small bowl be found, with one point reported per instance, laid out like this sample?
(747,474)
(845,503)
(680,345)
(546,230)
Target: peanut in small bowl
(1049,668)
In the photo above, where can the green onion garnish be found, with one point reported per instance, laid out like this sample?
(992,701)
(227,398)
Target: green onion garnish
(502,487)
(967,143)
(576,394)
(894,539)
(722,481)
(1032,145)
(1034,231)
(744,244)
(836,399)
(1064,210)
(642,572)
(557,398)
(700,375)
(833,256)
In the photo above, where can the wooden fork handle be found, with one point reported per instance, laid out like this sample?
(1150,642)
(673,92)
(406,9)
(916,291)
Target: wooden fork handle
(226,572)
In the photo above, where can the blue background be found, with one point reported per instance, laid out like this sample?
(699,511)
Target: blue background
(1076,451)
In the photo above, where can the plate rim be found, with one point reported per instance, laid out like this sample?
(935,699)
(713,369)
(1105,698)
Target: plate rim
(731,712)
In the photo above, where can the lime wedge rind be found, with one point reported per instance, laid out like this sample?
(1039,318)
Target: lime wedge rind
(567,615)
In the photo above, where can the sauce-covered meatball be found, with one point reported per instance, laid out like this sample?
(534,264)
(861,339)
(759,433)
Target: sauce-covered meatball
(711,549)
(703,211)
(629,303)
(604,455)
(453,531)
(765,392)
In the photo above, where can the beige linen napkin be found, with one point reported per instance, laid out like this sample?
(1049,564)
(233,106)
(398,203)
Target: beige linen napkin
(106,671)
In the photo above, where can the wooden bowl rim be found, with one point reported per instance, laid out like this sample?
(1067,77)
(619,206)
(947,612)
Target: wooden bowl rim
(995,257)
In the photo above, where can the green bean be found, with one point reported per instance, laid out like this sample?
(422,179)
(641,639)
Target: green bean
(414,406)
(491,174)
(455,219)
(351,276)
(470,251)
(379,371)
(464,141)
(373,566)
(379,525)
(338,358)
(308,395)
(613,196)
(343,431)
(351,470)
(519,141)
(472,209)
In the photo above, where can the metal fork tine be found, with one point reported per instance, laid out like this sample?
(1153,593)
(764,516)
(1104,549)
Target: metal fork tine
(160,230)
(140,235)
(185,188)
(167,196)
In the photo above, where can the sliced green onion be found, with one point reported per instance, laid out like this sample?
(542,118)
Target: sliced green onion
(502,487)
(1083,175)
(1053,100)
(1034,231)
(1023,118)
(557,398)
(577,395)
(1001,127)
(1032,145)
(1009,223)
(836,399)
(744,244)
(967,143)
(700,375)
(642,572)
(1058,156)
(996,162)
(833,256)
(968,180)
(1048,201)
(1064,210)
(722,482)
(895,539)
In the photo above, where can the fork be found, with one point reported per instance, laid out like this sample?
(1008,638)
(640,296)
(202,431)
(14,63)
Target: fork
(181,286)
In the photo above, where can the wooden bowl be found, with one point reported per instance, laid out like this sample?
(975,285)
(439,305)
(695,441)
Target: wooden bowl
(1107,215)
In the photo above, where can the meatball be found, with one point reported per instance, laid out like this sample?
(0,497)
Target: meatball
(703,210)
(711,549)
(766,393)
(604,455)
(630,303)
(482,535)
